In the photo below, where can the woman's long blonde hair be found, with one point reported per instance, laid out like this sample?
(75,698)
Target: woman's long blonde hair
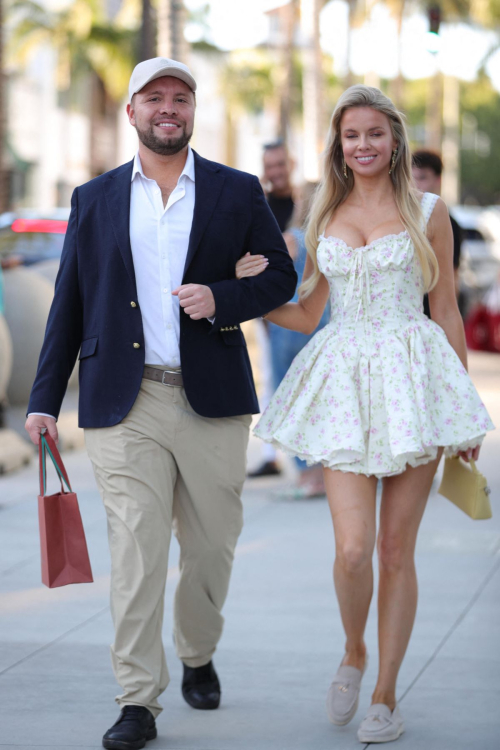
(334,187)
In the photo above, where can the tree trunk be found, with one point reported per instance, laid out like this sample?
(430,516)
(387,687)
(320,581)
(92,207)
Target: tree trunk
(230,138)
(312,94)
(172,16)
(3,123)
(286,99)
(434,113)
(147,43)
(349,78)
(451,141)
(399,81)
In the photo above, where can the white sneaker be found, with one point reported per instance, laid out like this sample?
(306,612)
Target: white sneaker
(343,696)
(381,724)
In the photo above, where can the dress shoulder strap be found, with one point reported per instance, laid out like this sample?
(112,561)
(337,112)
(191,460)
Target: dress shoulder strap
(428,202)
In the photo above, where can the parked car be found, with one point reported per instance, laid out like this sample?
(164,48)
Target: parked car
(30,236)
(480,261)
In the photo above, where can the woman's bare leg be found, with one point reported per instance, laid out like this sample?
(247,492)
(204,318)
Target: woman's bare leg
(404,498)
(352,504)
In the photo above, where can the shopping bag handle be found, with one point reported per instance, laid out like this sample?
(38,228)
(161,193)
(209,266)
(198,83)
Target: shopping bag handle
(471,462)
(47,445)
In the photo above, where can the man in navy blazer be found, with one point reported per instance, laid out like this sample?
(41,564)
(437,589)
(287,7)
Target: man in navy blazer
(147,294)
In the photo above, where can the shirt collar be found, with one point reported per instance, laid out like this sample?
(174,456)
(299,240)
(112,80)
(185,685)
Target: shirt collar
(188,170)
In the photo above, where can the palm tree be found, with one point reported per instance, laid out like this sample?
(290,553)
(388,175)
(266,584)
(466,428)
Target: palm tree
(487,14)
(85,42)
(172,17)
(249,83)
(398,8)
(452,10)
(312,87)
(147,37)
(352,20)
(3,181)
(287,88)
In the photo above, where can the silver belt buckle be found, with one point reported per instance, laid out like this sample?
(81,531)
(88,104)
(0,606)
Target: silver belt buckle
(170,372)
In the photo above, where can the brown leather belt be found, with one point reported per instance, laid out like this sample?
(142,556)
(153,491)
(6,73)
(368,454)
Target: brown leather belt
(166,377)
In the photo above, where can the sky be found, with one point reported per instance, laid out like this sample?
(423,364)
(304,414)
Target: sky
(237,24)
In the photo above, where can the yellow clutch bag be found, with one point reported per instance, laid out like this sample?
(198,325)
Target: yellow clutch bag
(466,487)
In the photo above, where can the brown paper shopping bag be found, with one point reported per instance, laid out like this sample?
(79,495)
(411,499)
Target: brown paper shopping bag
(65,558)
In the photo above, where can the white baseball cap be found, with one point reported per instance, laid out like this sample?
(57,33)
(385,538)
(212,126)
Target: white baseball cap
(157,67)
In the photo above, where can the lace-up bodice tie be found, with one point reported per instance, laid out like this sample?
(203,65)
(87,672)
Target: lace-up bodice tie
(359,283)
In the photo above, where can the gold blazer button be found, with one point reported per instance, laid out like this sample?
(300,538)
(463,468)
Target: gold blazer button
(133,304)
(137,346)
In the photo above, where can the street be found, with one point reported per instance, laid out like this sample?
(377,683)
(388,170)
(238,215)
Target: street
(283,639)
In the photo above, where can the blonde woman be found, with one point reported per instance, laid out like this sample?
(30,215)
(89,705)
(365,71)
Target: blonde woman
(381,390)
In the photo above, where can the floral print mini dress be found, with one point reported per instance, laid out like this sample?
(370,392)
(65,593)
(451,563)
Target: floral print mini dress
(379,387)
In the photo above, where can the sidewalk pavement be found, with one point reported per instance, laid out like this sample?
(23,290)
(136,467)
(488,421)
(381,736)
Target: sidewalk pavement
(283,638)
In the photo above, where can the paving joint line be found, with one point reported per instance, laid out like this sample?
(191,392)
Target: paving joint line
(52,642)
(251,515)
(494,569)
(21,564)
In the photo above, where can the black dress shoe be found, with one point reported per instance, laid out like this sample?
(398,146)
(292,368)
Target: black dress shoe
(201,687)
(267,469)
(135,725)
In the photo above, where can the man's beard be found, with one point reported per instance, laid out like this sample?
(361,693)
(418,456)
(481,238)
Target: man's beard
(151,141)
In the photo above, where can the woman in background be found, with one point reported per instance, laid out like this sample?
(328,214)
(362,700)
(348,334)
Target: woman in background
(286,344)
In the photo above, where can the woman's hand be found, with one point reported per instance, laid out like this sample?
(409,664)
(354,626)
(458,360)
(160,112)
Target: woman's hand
(470,453)
(251,265)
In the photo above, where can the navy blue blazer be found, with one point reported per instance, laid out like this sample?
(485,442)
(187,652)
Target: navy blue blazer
(92,311)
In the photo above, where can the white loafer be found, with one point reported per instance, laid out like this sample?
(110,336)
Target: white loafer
(381,724)
(343,696)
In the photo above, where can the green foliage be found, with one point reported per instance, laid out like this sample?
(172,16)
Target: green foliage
(333,89)
(479,173)
(494,11)
(248,81)
(253,80)
(204,46)
(415,96)
(485,12)
(82,37)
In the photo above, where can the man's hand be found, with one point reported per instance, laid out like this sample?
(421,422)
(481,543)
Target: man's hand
(11,262)
(197,300)
(35,424)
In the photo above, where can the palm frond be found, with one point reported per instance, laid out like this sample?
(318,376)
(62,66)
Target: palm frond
(24,42)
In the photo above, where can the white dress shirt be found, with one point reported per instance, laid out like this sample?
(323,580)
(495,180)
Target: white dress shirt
(159,237)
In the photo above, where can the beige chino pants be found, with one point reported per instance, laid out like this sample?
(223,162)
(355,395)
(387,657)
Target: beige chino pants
(162,468)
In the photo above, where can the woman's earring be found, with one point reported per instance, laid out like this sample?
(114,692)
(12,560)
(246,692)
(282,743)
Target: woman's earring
(345,168)
(393,160)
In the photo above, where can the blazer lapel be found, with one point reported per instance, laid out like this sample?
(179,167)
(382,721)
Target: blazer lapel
(207,189)
(117,191)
